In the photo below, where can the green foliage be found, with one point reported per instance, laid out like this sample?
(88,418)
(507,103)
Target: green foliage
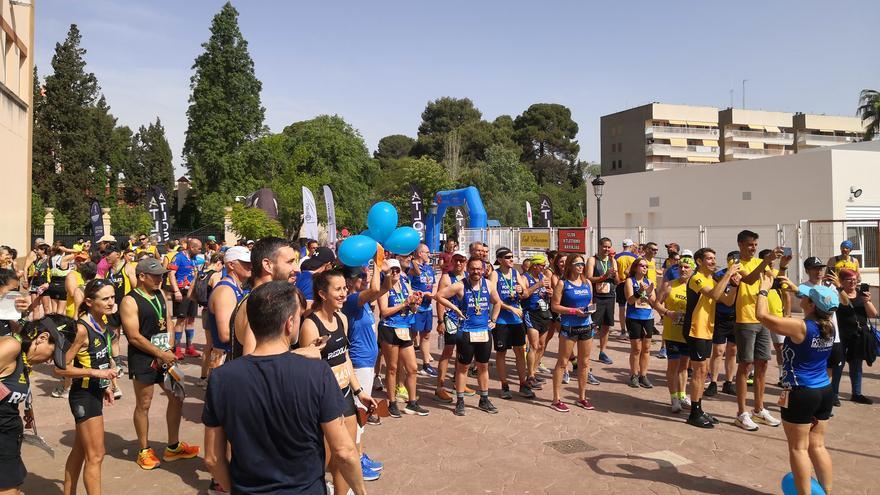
(546,134)
(254,223)
(224,108)
(126,220)
(211,210)
(149,163)
(439,118)
(869,111)
(394,180)
(505,185)
(394,146)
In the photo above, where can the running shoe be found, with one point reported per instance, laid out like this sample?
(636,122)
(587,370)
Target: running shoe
(713,419)
(676,405)
(644,382)
(429,370)
(539,379)
(402,393)
(685,402)
(586,404)
(469,392)
(472,372)
(414,408)
(60,392)
(662,353)
(374,420)
(836,402)
(486,405)
(505,392)
(711,390)
(533,383)
(377,383)
(604,359)
(543,369)
(183,451)
(728,388)
(700,421)
(442,396)
(178,353)
(369,474)
(374,465)
(751,380)
(592,380)
(745,422)
(215,489)
(765,418)
(633,381)
(117,393)
(147,459)
(574,363)
(192,352)
(566,378)
(393,410)
(861,399)
(526,392)
(559,406)
(459,408)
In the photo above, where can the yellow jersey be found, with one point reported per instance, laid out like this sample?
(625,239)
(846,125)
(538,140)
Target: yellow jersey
(151,249)
(624,260)
(747,295)
(850,264)
(676,301)
(703,316)
(70,309)
(652,271)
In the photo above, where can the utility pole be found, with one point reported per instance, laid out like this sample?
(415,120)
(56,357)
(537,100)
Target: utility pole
(744,93)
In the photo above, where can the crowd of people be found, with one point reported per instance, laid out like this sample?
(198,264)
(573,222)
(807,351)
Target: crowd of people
(297,345)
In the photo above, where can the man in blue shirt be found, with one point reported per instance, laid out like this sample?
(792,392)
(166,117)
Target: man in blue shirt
(422,278)
(185,308)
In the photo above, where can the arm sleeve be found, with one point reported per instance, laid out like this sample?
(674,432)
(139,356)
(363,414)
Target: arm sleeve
(330,403)
(209,413)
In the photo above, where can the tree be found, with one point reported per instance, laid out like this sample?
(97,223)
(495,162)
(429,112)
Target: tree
(151,164)
(254,223)
(394,180)
(224,106)
(869,111)
(546,134)
(394,146)
(504,183)
(440,117)
(126,220)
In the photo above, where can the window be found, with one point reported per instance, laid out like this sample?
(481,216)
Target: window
(619,147)
(864,241)
(654,202)
(747,195)
(613,147)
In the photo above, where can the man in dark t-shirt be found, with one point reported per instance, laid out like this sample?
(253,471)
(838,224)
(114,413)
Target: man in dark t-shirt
(276,409)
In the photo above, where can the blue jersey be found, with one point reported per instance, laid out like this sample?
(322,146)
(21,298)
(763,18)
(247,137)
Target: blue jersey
(722,309)
(304,284)
(405,318)
(576,296)
(424,282)
(363,348)
(641,310)
(506,288)
(533,301)
(475,306)
(455,299)
(184,268)
(804,364)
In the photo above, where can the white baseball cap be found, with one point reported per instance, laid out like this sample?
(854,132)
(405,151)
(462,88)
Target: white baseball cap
(628,242)
(392,263)
(687,252)
(237,253)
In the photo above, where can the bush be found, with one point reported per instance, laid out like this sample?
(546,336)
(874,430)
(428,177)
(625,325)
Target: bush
(254,223)
(126,220)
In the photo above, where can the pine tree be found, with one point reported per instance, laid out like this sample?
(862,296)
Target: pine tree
(151,164)
(224,107)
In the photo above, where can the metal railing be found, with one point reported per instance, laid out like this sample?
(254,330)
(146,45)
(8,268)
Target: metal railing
(785,137)
(670,150)
(823,140)
(683,131)
(663,165)
(756,152)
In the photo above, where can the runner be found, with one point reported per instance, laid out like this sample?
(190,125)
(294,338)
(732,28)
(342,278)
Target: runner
(59,268)
(321,260)
(475,297)
(397,309)
(423,279)
(509,331)
(702,295)
(602,272)
(672,304)
(121,276)
(572,297)
(212,274)
(144,246)
(844,259)
(623,260)
(183,271)
(37,268)
(83,271)
(145,321)
(537,316)
(753,343)
(224,298)
(90,365)
(326,323)
(723,340)
(807,398)
(39,341)
(640,298)
(556,273)
(447,326)
(450,248)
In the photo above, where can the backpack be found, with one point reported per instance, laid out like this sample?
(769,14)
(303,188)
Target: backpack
(202,288)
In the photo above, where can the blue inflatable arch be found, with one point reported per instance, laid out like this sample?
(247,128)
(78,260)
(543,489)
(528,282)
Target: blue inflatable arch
(469,196)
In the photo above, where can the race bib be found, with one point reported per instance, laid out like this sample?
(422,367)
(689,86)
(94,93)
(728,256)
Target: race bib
(402,333)
(103,382)
(603,288)
(783,399)
(480,337)
(450,325)
(543,306)
(160,340)
(342,374)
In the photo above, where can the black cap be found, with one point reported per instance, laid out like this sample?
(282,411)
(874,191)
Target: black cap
(500,253)
(63,332)
(323,255)
(813,262)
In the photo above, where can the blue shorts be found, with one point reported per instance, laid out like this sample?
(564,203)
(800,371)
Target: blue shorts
(424,321)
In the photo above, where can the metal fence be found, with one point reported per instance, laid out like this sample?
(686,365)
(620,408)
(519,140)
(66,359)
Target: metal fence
(69,238)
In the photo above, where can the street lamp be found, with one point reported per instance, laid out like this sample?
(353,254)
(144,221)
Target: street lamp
(598,190)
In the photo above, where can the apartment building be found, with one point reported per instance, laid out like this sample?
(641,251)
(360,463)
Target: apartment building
(660,136)
(16,117)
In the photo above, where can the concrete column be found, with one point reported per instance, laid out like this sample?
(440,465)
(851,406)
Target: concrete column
(49,226)
(105,219)
(230,238)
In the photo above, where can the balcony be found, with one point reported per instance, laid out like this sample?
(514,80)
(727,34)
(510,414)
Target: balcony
(823,140)
(681,151)
(667,132)
(749,153)
(762,136)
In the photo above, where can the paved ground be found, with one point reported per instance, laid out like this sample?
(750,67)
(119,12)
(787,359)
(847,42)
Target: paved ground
(629,444)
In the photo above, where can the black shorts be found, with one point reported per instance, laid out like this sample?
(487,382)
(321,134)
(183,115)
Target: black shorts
(724,330)
(12,470)
(806,404)
(186,308)
(86,403)
(508,336)
(604,315)
(388,336)
(539,320)
(147,376)
(578,333)
(639,329)
(56,291)
(676,350)
(837,356)
(700,349)
(468,351)
(620,295)
(349,409)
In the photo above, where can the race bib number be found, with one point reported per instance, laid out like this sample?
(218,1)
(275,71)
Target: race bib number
(783,399)
(642,303)
(543,306)
(160,340)
(103,382)
(342,374)
(402,333)
(603,288)
(450,325)
(480,337)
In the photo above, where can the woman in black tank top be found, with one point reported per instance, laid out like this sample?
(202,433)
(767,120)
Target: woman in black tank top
(325,323)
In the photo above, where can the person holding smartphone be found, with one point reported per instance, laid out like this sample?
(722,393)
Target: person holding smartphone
(855,334)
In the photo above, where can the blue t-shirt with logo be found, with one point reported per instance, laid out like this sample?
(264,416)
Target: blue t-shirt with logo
(804,364)
(363,348)
(185,270)
(424,282)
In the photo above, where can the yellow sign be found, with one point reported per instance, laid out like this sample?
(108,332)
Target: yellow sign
(534,240)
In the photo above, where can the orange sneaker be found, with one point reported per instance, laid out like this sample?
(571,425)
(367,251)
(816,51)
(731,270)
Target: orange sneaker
(469,391)
(147,459)
(183,451)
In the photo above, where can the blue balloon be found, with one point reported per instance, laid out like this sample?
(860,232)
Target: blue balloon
(382,220)
(788,487)
(357,250)
(367,233)
(403,240)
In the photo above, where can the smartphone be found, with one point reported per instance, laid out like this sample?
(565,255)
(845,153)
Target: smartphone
(786,251)
(777,284)
(591,308)
(864,288)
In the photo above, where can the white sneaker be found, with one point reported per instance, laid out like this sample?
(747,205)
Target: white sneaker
(764,417)
(745,422)
(685,402)
(676,405)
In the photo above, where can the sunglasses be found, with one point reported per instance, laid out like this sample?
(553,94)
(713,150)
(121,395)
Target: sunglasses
(460,261)
(579,263)
(509,257)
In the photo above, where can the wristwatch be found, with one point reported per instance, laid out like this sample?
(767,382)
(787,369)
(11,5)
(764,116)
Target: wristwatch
(762,292)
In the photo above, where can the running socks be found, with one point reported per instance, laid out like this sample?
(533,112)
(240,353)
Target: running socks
(190,332)
(178,336)
(173,446)
(484,393)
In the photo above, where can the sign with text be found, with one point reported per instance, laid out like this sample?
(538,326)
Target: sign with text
(417,210)
(572,240)
(157,206)
(534,239)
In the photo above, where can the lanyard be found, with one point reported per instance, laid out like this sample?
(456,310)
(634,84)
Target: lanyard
(478,301)
(604,265)
(509,283)
(154,302)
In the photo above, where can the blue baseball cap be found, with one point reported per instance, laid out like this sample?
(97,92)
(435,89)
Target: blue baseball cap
(846,244)
(825,298)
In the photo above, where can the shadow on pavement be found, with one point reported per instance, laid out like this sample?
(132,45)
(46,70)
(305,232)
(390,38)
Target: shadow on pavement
(36,484)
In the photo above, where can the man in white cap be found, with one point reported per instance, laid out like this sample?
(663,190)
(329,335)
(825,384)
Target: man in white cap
(623,260)
(224,297)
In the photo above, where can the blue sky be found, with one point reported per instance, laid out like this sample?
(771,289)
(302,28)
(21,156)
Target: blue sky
(378,63)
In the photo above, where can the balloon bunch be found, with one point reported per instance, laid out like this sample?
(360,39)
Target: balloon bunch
(358,250)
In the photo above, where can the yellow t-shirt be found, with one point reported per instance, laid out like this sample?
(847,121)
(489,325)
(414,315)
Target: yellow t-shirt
(676,301)
(149,249)
(747,296)
(840,263)
(624,261)
(70,308)
(703,317)
(652,271)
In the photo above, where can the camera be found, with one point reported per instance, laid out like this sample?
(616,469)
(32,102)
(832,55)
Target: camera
(777,284)
(864,288)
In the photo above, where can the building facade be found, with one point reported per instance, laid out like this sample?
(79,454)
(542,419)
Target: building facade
(660,136)
(16,121)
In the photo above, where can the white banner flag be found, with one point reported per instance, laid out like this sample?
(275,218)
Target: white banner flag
(529,213)
(331,217)
(310,215)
